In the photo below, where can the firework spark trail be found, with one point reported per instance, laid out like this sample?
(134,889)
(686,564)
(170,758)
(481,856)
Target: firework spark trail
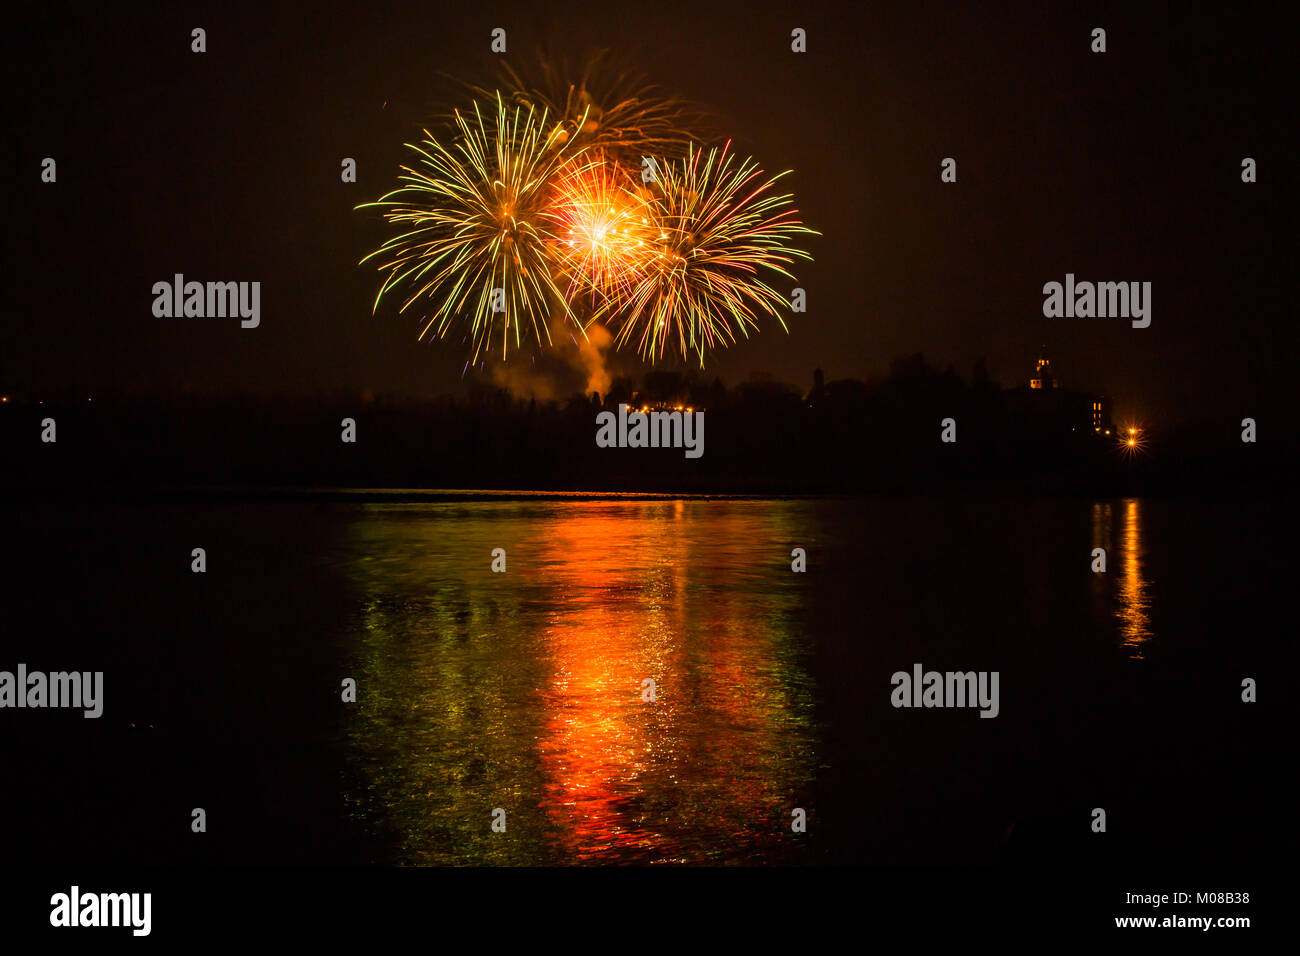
(478,212)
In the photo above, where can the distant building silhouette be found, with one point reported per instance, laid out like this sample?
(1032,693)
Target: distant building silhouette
(1043,403)
(1043,377)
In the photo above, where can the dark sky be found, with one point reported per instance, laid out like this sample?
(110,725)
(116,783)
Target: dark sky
(225,165)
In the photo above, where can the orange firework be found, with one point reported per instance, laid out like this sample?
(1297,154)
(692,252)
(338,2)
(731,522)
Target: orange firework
(609,108)
(602,230)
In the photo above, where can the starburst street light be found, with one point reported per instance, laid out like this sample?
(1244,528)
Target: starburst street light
(1131,442)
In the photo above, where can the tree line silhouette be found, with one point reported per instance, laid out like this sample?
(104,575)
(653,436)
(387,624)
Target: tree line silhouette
(762,436)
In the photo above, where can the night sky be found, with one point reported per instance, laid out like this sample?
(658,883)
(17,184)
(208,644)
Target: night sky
(1123,166)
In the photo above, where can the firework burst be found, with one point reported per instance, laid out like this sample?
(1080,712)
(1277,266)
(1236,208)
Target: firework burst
(614,111)
(535,212)
(477,228)
(720,233)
